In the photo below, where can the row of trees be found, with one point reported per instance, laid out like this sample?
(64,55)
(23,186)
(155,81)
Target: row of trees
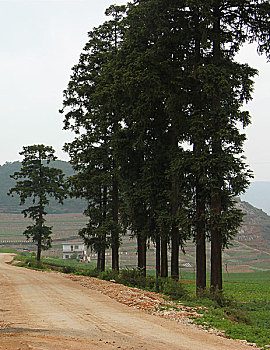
(160,75)
(156,105)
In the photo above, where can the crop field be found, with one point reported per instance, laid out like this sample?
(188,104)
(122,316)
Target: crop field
(247,314)
(63,225)
(239,258)
(252,291)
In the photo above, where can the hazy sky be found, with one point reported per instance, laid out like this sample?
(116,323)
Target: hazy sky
(40,41)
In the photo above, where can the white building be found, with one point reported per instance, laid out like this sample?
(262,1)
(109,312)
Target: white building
(75,250)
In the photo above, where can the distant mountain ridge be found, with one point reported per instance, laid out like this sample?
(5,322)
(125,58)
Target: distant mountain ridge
(9,204)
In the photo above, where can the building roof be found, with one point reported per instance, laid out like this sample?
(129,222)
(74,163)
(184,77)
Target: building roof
(73,243)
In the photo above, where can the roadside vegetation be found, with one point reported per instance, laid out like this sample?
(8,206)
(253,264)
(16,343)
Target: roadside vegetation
(241,311)
(8,250)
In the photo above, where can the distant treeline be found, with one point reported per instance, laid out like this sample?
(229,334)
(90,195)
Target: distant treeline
(10,204)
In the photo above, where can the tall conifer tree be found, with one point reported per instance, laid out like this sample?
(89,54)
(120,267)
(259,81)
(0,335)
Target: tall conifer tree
(37,181)
(93,115)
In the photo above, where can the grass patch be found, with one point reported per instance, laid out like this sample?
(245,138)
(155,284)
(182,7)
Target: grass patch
(8,250)
(73,263)
(30,262)
(134,278)
(246,312)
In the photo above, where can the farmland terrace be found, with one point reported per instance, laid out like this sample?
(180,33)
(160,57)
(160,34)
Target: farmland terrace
(250,251)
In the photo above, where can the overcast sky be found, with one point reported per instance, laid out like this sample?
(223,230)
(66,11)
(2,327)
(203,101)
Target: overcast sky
(40,41)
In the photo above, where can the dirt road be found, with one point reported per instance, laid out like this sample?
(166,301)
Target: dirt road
(42,310)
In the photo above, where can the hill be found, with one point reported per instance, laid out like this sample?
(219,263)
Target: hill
(250,251)
(258,194)
(255,230)
(10,204)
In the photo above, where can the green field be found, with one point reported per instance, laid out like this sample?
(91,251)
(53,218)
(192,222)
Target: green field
(252,293)
(63,225)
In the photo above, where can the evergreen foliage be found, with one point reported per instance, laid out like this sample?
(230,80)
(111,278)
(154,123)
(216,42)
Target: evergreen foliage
(93,115)
(36,180)
(160,75)
(10,204)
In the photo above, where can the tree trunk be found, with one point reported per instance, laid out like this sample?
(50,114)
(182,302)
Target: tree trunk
(40,223)
(141,246)
(103,238)
(164,257)
(175,254)
(174,233)
(144,257)
(215,230)
(115,234)
(200,261)
(102,260)
(157,257)
(174,209)
(99,261)
(216,246)
(200,242)
(39,249)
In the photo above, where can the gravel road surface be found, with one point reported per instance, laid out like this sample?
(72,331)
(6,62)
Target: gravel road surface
(47,311)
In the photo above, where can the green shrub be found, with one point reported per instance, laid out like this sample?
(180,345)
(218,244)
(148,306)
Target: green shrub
(69,269)
(217,299)
(132,278)
(222,299)
(32,263)
(91,273)
(109,275)
(237,315)
(173,289)
(151,282)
